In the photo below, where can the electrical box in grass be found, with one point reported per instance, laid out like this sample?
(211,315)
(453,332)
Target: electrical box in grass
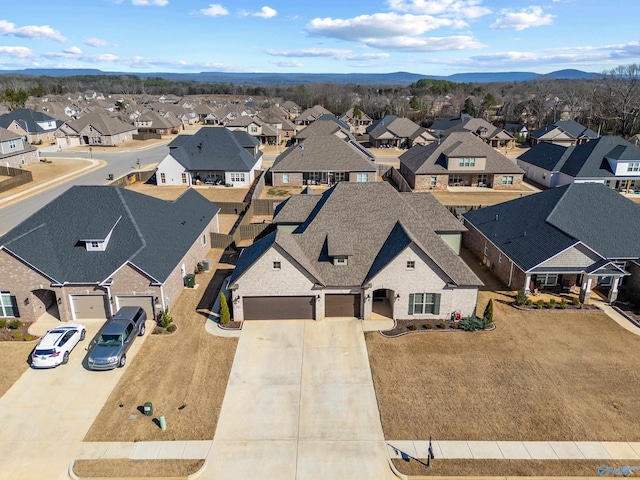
(148,409)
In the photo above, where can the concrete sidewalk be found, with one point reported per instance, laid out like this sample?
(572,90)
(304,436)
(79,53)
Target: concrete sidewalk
(185,450)
(446,449)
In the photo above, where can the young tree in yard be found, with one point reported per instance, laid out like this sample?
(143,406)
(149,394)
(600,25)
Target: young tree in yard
(468,107)
(225,315)
(488,312)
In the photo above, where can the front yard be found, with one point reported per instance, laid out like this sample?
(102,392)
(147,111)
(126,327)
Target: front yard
(539,376)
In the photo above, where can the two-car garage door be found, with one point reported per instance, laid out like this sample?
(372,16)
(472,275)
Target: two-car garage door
(279,308)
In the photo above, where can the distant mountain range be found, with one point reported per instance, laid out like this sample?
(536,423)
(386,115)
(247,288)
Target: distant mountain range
(398,78)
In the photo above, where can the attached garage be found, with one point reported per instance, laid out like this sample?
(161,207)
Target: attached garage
(279,308)
(87,307)
(137,301)
(342,305)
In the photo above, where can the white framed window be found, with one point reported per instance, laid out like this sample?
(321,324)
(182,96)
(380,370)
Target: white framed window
(411,264)
(163,178)
(277,265)
(285,178)
(7,305)
(455,179)
(362,177)
(467,162)
(340,176)
(434,181)
(634,167)
(254,129)
(340,260)
(421,303)
(237,177)
(507,180)
(184,178)
(548,280)
(95,140)
(12,144)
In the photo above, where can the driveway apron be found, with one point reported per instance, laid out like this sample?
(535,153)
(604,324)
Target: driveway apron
(45,415)
(300,404)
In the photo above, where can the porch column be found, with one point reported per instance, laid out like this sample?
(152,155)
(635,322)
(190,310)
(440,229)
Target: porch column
(527,284)
(585,288)
(613,292)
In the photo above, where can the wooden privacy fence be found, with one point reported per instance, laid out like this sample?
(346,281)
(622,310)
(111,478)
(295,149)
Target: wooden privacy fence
(397,180)
(18,177)
(133,177)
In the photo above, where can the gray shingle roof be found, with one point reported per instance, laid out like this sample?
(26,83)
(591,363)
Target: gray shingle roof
(400,127)
(103,123)
(532,229)
(323,153)
(31,117)
(215,148)
(574,129)
(152,234)
(432,159)
(361,220)
(545,155)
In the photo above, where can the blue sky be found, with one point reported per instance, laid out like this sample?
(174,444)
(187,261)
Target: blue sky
(328,36)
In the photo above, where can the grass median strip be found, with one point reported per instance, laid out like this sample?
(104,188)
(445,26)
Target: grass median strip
(125,468)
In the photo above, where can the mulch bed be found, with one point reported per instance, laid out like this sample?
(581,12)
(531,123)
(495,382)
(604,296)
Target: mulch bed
(630,310)
(557,307)
(19,334)
(232,325)
(402,327)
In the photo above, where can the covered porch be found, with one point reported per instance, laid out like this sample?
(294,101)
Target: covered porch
(324,178)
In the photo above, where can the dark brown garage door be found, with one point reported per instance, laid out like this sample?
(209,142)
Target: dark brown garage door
(342,305)
(279,308)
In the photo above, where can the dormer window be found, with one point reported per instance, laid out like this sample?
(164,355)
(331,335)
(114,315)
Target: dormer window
(96,245)
(340,260)
(467,162)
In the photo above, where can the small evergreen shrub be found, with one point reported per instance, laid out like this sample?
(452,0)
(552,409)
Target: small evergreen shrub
(14,324)
(225,314)
(575,301)
(172,328)
(16,335)
(429,326)
(28,338)
(442,325)
(521,298)
(563,304)
(455,326)
(552,303)
(165,319)
(488,311)
(528,302)
(412,327)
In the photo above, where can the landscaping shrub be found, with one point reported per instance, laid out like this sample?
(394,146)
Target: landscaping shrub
(563,303)
(528,302)
(521,298)
(225,315)
(539,304)
(3,322)
(412,327)
(28,338)
(429,326)
(14,324)
(166,319)
(552,303)
(17,335)
(172,328)
(455,326)
(488,311)
(471,323)
(442,325)
(575,301)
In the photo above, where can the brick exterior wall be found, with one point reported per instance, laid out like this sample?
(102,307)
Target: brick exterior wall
(423,182)
(294,179)
(15,161)
(501,266)
(371,176)
(497,182)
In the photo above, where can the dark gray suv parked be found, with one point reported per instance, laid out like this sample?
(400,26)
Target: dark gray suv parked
(109,348)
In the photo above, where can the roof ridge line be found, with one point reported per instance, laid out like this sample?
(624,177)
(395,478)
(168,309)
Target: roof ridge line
(134,223)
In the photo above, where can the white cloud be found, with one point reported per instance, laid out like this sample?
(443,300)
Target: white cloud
(447,8)
(106,57)
(427,44)
(529,17)
(31,31)
(265,12)
(288,63)
(334,53)
(149,3)
(73,51)
(95,42)
(18,52)
(214,10)
(378,25)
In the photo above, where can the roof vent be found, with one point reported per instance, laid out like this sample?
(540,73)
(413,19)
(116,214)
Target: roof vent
(200,146)
(496,217)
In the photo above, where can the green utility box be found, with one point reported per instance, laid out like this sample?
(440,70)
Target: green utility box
(190,280)
(148,409)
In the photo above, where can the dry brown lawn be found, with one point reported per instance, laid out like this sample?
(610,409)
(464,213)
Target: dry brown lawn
(512,468)
(13,358)
(214,194)
(184,374)
(537,376)
(486,198)
(131,469)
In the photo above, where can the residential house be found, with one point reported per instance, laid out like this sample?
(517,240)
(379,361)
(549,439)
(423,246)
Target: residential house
(37,127)
(572,238)
(563,132)
(310,115)
(324,125)
(292,109)
(494,136)
(398,132)
(94,249)
(275,117)
(609,160)
(255,127)
(14,151)
(459,159)
(323,160)
(213,155)
(95,129)
(356,250)
(358,120)
(152,124)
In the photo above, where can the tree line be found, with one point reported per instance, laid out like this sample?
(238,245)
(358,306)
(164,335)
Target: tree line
(609,102)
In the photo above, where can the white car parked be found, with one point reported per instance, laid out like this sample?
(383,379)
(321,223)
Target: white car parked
(54,348)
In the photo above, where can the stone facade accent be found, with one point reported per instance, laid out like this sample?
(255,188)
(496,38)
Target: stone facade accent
(21,159)
(497,182)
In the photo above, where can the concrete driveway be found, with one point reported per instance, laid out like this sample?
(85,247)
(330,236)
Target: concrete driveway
(300,404)
(45,415)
